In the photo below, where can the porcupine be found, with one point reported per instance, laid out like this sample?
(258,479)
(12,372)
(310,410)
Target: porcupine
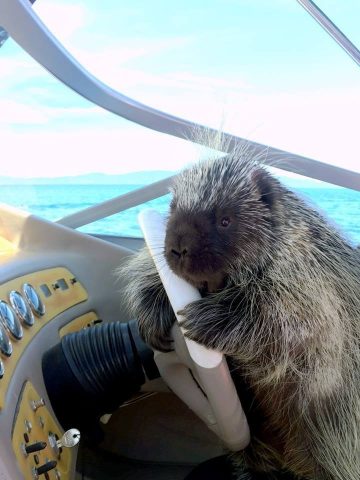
(281,298)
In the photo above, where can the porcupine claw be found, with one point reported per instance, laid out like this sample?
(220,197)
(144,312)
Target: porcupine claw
(191,323)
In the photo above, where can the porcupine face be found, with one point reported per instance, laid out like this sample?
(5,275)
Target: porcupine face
(220,219)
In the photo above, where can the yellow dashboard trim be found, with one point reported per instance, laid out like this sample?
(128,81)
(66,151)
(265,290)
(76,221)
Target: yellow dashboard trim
(6,247)
(85,321)
(59,301)
(37,426)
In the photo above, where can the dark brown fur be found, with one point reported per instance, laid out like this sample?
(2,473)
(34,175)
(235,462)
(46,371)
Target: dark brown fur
(281,298)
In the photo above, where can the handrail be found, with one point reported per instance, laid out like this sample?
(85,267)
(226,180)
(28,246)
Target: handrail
(331,29)
(117,204)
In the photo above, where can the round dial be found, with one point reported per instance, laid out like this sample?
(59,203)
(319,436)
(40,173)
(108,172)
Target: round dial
(5,344)
(34,300)
(21,308)
(10,320)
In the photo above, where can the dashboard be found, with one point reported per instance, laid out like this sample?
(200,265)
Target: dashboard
(66,281)
(53,281)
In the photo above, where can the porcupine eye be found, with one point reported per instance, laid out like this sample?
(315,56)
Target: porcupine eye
(225,222)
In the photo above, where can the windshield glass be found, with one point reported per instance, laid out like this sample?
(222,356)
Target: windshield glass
(263,70)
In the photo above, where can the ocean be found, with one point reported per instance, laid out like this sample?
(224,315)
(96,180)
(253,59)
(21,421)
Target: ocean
(52,202)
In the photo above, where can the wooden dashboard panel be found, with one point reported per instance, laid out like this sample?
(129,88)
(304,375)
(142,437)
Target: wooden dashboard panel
(65,292)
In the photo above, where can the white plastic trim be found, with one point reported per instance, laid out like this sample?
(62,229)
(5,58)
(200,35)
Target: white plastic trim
(220,409)
(25,27)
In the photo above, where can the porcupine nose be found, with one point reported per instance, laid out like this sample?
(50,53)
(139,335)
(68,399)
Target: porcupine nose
(178,254)
(179,249)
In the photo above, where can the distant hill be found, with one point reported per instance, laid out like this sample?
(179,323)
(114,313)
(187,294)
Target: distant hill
(136,178)
(304,183)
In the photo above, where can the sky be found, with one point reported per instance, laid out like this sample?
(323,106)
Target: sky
(263,70)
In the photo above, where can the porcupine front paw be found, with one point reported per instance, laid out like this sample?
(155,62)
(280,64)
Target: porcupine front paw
(155,316)
(195,324)
(210,323)
(146,299)
(156,332)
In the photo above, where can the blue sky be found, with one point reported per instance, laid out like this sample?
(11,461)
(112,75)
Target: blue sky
(261,69)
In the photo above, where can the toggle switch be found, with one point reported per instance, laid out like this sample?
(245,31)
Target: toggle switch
(33,447)
(28,426)
(36,404)
(41,422)
(37,471)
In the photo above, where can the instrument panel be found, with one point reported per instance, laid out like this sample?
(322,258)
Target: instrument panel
(50,285)
(27,304)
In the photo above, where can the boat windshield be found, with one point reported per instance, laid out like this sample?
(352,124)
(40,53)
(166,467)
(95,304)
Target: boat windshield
(265,71)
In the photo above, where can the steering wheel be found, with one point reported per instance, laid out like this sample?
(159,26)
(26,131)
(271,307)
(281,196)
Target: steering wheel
(199,376)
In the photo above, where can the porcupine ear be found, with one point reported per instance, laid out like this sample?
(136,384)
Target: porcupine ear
(266,186)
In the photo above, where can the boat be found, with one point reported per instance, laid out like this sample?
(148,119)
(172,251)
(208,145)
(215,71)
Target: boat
(56,280)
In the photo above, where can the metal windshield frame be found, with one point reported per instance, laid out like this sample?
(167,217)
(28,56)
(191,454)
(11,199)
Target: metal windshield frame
(25,27)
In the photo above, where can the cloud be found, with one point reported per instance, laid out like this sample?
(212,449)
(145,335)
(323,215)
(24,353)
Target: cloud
(310,123)
(17,70)
(319,123)
(91,150)
(63,20)
(17,113)
(107,62)
(191,80)
(133,82)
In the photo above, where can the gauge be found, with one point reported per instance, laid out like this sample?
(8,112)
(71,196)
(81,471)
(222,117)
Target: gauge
(5,344)
(10,320)
(34,300)
(2,369)
(21,308)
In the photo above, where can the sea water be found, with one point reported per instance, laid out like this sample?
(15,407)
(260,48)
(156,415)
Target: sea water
(52,202)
